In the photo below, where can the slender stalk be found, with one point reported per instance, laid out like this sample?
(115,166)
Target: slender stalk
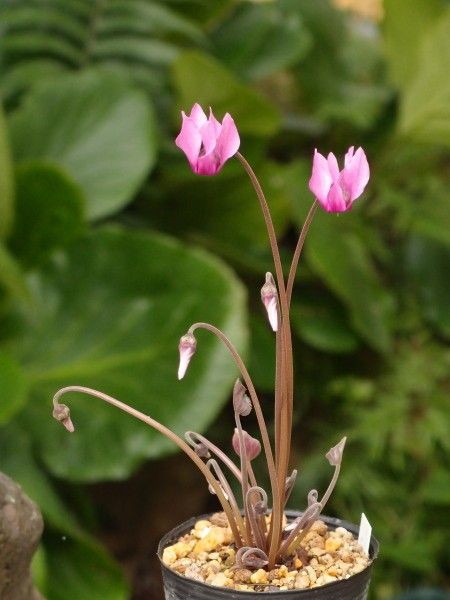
(286,368)
(218,452)
(169,434)
(298,250)
(253,520)
(331,486)
(261,422)
(244,461)
(303,525)
(213,465)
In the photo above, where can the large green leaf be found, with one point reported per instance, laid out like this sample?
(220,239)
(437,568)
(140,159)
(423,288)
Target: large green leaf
(405,25)
(338,255)
(200,78)
(94,126)
(109,314)
(13,387)
(49,212)
(84,568)
(258,39)
(425,109)
(12,278)
(6,181)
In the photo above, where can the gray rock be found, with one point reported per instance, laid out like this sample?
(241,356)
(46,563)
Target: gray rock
(21,528)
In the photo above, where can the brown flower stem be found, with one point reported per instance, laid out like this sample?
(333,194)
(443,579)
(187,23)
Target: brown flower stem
(301,529)
(298,250)
(169,434)
(261,423)
(244,461)
(214,466)
(221,455)
(286,370)
(252,518)
(331,486)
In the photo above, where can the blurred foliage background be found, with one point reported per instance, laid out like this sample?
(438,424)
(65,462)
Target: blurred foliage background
(110,248)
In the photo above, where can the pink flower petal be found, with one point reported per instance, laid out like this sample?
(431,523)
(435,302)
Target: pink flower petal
(333,166)
(349,156)
(198,115)
(336,201)
(321,180)
(228,141)
(356,175)
(189,140)
(208,131)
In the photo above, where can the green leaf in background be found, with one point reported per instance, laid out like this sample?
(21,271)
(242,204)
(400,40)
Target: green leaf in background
(258,39)
(339,256)
(429,264)
(229,209)
(84,568)
(405,24)
(96,127)
(13,387)
(254,114)
(6,181)
(12,279)
(109,314)
(425,107)
(49,212)
(323,325)
(262,353)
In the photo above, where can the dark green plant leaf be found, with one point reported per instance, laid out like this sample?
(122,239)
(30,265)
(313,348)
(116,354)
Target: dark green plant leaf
(253,113)
(13,387)
(12,279)
(49,212)
(323,325)
(339,256)
(109,314)
(429,264)
(262,353)
(84,568)
(6,181)
(259,39)
(94,126)
(425,116)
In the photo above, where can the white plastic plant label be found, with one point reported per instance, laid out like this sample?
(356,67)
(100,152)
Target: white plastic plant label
(365,533)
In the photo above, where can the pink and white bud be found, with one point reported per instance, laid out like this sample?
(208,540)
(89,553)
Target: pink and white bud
(334,454)
(251,444)
(187,347)
(269,297)
(241,402)
(61,413)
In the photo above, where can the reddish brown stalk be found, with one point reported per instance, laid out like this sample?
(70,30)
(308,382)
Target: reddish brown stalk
(169,434)
(217,452)
(298,250)
(259,416)
(213,466)
(244,472)
(286,371)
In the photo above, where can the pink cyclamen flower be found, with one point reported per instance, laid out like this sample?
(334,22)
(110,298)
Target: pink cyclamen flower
(207,143)
(336,190)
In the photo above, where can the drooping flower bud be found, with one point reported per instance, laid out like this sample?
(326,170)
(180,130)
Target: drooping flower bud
(199,447)
(269,297)
(187,347)
(241,402)
(61,413)
(334,454)
(251,444)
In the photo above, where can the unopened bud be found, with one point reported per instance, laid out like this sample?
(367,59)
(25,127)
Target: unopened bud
(61,413)
(251,445)
(334,454)
(269,297)
(241,402)
(187,347)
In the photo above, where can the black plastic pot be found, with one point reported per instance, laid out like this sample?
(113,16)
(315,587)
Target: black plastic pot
(177,587)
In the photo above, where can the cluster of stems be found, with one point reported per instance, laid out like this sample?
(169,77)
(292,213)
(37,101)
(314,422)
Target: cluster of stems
(262,540)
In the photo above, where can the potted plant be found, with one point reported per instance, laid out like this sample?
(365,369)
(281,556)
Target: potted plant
(249,548)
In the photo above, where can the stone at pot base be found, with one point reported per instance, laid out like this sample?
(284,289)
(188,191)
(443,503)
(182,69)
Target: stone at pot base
(205,579)
(21,528)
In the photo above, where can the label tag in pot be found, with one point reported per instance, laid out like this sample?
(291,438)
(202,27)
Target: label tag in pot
(365,533)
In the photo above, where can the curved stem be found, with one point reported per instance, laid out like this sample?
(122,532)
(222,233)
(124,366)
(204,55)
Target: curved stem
(261,422)
(258,535)
(218,452)
(303,525)
(298,250)
(331,486)
(212,464)
(169,434)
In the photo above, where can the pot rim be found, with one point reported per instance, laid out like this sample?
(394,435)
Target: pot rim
(335,522)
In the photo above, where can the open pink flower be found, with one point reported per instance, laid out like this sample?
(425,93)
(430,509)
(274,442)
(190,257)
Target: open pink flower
(336,190)
(207,143)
